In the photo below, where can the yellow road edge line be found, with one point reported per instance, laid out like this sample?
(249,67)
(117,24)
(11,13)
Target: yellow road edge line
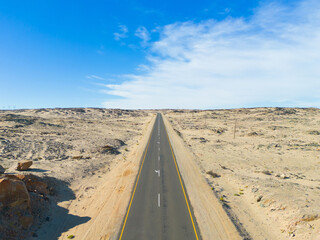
(184,193)
(135,187)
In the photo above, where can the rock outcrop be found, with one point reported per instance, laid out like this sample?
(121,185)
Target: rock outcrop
(13,193)
(33,183)
(20,196)
(15,208)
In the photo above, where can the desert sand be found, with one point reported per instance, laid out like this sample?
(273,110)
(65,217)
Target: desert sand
(262,164)
(89,157)
(213,221)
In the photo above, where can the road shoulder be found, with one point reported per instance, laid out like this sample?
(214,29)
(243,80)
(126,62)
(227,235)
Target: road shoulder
(107,204)
(211,218)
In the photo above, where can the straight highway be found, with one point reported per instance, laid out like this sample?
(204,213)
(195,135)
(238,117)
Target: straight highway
(159,207)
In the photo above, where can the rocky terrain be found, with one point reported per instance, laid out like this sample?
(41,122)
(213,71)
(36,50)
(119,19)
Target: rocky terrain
(262,163)
(65,146)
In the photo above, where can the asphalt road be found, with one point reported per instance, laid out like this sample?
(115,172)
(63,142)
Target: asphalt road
(159,207)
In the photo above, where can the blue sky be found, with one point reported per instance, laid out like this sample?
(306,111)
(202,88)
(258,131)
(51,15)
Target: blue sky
(159,54)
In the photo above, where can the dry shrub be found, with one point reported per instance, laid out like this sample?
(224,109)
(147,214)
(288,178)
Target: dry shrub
(213,174)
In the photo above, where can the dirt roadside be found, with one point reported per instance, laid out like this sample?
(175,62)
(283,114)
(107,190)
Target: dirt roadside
(264,162)
(101,200)
(210,215)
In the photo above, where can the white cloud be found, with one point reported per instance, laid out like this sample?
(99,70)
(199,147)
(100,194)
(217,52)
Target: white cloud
(270,59)
(95,77)
(143,34)
(123,30)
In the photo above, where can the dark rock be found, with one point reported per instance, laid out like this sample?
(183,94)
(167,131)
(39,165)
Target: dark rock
(120,142)
(2,169)
(213,174)
(266,172)
(219,130)
(26,120)
(259,198)
(109,149)
(285,111)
